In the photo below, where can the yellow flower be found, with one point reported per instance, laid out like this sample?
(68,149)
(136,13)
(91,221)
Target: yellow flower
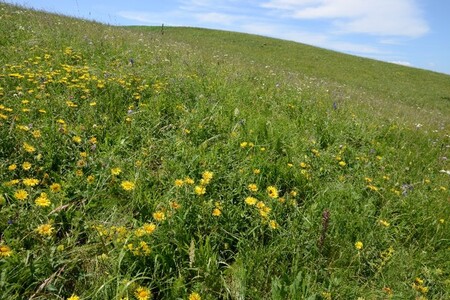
(359,245)
(244,144)
(28,148)
(127,185)
(12,182)
(253,187)
(200,190)
(45,229)
(272,191)
(5,251)
(149,228)
(30,181)
(116,171)
(293,193)
(93,140)
(372,187)
(207,176)
(188,180)
(42,200)
(256,171)
(90,179)
(142,293)
(79,173)
(216,212)
(315,152)
(260,205)
(12,167)
(55,187)
(159,216)
(179,182)
(384,223)
(36,134)
(273,224)
(251,200)
(303,165)
(264,211)
(194,296)
(73,297)
(21,195)
(76,139)
(342,163)
(26,166)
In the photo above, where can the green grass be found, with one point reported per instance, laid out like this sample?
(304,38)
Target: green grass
(141,172)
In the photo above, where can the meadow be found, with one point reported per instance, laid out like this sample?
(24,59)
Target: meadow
(199,164)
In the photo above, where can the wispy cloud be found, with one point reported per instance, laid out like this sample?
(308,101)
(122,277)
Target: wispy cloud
(403,63)
(381,17)
(218,18)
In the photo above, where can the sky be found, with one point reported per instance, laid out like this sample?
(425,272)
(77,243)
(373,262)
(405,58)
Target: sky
(409,32)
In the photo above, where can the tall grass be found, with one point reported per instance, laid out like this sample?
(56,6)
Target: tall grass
(139,165)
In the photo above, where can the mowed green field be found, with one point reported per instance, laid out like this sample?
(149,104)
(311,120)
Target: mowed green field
(200,164)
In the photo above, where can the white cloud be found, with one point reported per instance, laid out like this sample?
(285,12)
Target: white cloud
(213,17)
(311,38)
(380,17)
(403,63)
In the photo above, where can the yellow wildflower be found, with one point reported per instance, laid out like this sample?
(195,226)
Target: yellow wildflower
(188,180)
(55,187)
(273,224)
(359,245)
(36,133)
(21,195)
(251,200)
(253,187)
(5,251)
(26,166)
(194,296)
(272,191)
(149,228)
(116,171)
(90,179)
(200,190)
(12,167)
(384,223)
(207,176)
(73,297)
(142,293)
(28,148)
(216,212)
(127,185)
(42,200)
(179,182)
(30,181)
(45,229)
(76,139)
(159,216)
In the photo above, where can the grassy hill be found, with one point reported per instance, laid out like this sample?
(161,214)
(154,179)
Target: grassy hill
(200,164)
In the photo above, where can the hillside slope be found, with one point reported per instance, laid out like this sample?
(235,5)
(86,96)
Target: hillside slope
(382,84)
(201,165)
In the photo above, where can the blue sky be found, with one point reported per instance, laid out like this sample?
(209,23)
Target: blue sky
(410,32)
